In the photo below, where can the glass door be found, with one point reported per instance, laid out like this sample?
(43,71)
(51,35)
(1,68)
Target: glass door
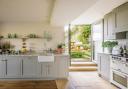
(97,39)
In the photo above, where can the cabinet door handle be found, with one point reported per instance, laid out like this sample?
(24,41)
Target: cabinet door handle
(22,66)
(6,67)
(48,69)
(4,60)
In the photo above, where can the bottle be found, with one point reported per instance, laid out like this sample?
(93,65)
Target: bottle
(121,51)
(125,51)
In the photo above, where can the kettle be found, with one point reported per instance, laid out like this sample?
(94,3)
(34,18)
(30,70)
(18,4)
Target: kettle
(116,50)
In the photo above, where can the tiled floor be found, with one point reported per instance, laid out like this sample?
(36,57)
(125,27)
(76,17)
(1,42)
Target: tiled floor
(84,80)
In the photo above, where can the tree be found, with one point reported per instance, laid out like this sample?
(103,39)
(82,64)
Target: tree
(85,32)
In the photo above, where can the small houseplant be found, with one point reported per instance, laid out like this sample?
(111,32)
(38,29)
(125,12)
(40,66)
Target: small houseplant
(60,48)
(109,45)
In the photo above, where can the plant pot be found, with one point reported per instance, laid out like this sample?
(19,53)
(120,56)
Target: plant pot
(108,50)
(59,50)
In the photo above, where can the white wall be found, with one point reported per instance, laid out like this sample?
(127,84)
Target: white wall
(23,29)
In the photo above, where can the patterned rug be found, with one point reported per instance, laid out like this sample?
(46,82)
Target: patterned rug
(36,84)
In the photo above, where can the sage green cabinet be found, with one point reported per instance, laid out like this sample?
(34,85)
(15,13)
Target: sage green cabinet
(31,68)
(13,66)
(104,65)
(122,18)
(49,70)
(2,67)
(109,26)
(62,66)
(116,21)
(28,67)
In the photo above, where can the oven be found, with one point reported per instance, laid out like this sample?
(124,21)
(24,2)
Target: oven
(119,75)
(119,79)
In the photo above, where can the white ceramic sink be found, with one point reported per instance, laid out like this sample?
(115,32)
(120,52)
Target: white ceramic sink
(43,58)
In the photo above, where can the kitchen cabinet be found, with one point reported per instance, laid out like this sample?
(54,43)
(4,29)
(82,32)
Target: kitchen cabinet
(62,66)
(104,65)
(49,70)
(56,69)
(30,67)
(109,26)
(116,21)
(122,18)
(2,67)
(24,67)
(13,66)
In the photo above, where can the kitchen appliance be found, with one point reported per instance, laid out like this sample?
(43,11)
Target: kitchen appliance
(116,50)
(122,35)
(119,71)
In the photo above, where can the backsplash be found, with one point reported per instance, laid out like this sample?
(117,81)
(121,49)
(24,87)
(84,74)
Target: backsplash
(123,42)
(23,29)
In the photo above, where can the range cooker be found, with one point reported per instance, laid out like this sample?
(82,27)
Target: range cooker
(119,71)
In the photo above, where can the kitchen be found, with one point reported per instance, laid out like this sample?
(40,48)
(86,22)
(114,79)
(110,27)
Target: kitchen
(31,49)
(112,64)
(32,42)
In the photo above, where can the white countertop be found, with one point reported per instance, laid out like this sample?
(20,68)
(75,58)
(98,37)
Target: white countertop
(35,55)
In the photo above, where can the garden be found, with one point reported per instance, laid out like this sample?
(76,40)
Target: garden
(80,42)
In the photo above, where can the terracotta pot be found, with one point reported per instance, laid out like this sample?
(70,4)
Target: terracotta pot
(59,50)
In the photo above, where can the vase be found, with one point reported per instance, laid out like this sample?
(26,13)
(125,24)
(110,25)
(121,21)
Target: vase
(108,50)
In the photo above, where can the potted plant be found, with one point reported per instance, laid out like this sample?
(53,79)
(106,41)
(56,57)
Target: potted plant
(60,48)
(109,45)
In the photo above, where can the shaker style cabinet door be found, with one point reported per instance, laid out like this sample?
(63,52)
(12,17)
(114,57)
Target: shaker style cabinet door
(122,18)
(63,66)
(44,69)
(109,26)
(13,66)
(49,70)
(2,67)
(104,65)
(31,68)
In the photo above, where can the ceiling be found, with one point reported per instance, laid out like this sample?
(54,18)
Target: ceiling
(66,11)
(97,11)
(56,12)
(25,10)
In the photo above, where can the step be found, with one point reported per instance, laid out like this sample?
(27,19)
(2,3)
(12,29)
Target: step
(83,64)
(83,68)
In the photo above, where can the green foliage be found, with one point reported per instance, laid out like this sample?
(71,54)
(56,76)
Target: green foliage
(84,31)
(109,44)
(78,54)
(86,46)
(74,30)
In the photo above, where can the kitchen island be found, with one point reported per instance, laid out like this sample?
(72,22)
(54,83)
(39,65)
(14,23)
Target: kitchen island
(30,67)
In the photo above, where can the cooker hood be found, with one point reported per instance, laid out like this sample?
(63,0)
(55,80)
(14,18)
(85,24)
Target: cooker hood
(122,35)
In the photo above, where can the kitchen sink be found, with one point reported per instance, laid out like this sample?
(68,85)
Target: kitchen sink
(48,58)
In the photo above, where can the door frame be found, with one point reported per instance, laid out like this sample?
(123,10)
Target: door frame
(92,42)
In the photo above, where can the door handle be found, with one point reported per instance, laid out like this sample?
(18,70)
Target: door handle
(3,60)
(48,69)
(6,66)
(22,67)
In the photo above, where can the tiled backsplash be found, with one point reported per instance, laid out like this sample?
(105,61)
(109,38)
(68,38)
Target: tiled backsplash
(123,42)
(36,28)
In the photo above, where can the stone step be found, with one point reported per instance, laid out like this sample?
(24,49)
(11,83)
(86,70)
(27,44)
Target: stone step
(73,64)
(83,68)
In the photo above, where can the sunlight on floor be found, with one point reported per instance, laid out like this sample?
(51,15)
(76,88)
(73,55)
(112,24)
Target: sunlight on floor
(84,80)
